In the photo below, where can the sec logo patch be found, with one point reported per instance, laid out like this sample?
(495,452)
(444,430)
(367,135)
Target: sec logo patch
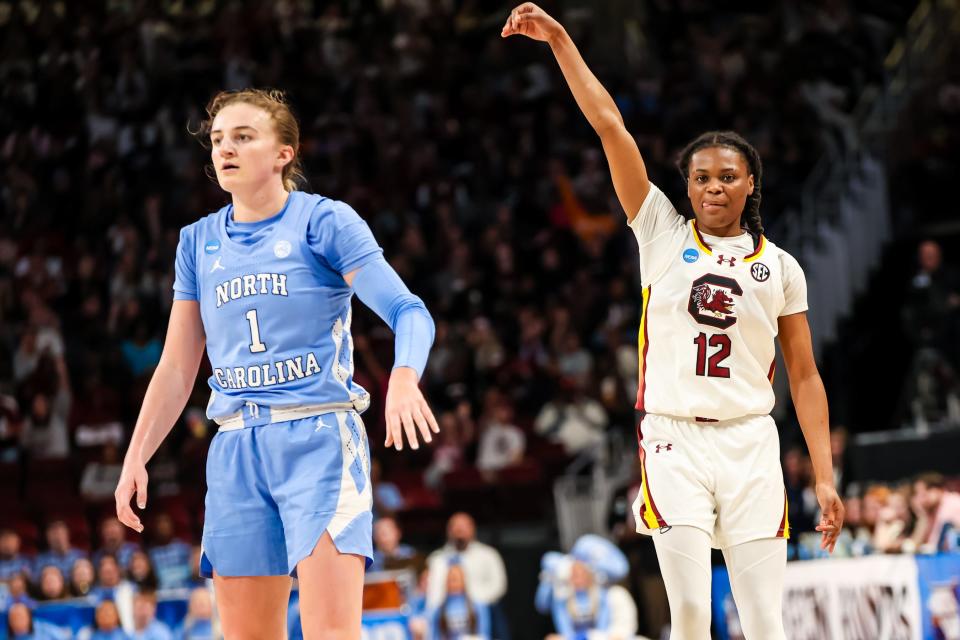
(691,255)
(760,272)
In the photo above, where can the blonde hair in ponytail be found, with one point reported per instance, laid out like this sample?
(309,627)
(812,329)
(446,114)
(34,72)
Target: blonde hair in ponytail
(284,123)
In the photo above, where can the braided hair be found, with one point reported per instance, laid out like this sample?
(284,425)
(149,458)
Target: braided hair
(750,218)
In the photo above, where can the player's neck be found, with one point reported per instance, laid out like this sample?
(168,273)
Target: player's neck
(728,231)
(260,204)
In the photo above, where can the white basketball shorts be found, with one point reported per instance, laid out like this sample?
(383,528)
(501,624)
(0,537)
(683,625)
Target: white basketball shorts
(722,477)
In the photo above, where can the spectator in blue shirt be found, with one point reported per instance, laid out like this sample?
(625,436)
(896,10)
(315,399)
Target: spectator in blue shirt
(145,623)
(113,541)
(458,617)
(53,586)
(106,623)
(390,553)
(11,560)
(198,625)
(83,579)
(140,571)
(170,557)
(59,552)
(17,587)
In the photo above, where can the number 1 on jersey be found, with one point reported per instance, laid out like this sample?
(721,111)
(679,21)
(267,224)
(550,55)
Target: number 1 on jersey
(711,368)
(255,345)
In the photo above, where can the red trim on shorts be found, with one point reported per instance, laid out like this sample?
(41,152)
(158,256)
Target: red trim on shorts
(699,419)
(783,519)
(773,371)
(653,505)
(644,321)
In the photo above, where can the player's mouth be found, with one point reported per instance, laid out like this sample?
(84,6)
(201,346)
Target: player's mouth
(713,206)
(229,167)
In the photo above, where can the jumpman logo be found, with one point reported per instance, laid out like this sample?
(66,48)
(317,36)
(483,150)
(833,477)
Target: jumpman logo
(217,265)
(322,425)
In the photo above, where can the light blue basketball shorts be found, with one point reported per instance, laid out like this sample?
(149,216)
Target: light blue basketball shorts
(272,491)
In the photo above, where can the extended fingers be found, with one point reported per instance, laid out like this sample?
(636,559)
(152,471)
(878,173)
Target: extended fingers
(410,428)
(422,423)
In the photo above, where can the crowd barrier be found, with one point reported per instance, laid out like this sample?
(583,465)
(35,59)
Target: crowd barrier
(883,597)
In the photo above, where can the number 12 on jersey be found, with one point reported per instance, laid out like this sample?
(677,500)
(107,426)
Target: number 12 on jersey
(711,367)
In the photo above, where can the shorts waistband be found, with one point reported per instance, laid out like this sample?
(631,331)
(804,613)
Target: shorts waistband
(254,415)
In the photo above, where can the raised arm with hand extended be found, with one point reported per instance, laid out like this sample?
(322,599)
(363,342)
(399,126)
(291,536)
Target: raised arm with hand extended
(166,396)
(626,165)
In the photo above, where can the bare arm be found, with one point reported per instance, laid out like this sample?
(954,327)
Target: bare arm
(626,165)
(810,400)
(166,396)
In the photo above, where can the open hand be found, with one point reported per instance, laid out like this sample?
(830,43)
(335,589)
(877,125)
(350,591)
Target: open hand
(407,411)
(530,20)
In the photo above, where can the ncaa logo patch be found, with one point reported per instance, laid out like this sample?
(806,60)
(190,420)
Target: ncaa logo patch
(691,255)
(760,272)
(282,249)
(212,247)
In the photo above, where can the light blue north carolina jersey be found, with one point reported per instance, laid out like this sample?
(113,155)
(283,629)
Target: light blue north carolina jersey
(276,309)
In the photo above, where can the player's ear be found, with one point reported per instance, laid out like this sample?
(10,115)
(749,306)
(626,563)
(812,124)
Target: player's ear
(285,155)
(750,185)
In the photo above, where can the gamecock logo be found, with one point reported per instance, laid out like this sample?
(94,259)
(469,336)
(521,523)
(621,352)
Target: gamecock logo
(712,300)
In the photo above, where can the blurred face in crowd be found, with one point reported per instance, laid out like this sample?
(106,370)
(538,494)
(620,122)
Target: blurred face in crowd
(111,533)
(163,528)
(139,565)
(928,497)
(9,544)
(51,583)
(107,617)
(82,573)
(144,610)
(244,148)
(200,606)
(17,585)
(19,619)
(58,537)
(109,571)
(929,256)
(461,530)
(718,183)
(386,535)
(875,499)
(455,580)
(580,576)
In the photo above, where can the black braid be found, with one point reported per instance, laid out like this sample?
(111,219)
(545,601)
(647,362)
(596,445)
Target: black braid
(750,218)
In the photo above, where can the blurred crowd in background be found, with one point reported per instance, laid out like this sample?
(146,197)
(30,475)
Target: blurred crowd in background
(490,195)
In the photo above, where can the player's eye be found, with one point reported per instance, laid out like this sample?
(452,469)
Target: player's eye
(701,179)
(243,137)
(728,177)
(215,141)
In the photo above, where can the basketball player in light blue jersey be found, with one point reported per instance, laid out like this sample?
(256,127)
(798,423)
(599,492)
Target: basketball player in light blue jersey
(265,284)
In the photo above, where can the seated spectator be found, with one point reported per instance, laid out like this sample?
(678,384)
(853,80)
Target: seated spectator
(59,552)
(140,571)
(170,557)
(199,623)
(44,432)
(112,586)
(82,579)
(12,561)
(573,419)
(113,541)
(893,521)
(100,477)
(387,499)
(20,622)
(457,617)
(582,609)
(18,590)
(53,586)
(106,623)
(501,442)
(390,552)
(145,623)
(935,508)
(483,570)
(419,624)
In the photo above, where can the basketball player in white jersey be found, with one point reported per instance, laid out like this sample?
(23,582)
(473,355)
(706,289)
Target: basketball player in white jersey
(716,294)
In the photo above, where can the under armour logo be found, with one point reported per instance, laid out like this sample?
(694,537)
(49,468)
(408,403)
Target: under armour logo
(729,261)
(217,265)
(664,447)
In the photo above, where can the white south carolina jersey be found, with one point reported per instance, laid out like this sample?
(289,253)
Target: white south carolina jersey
(709,319)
